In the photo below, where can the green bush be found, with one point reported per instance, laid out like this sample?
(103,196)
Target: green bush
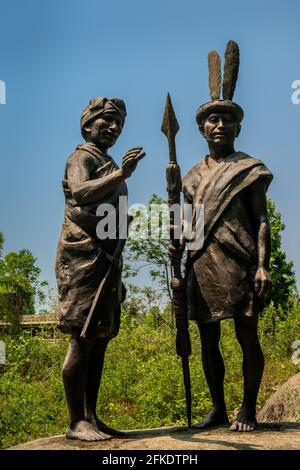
(142,383)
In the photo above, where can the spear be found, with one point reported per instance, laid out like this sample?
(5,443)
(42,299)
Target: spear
(170,128)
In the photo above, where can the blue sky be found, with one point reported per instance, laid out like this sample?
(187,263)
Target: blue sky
(56,55)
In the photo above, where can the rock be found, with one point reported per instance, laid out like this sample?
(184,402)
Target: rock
(283,436)
(284,405)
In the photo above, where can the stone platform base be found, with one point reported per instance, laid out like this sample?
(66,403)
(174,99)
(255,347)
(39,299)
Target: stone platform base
(268,436)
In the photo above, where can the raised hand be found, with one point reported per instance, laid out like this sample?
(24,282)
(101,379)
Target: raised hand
(131,159)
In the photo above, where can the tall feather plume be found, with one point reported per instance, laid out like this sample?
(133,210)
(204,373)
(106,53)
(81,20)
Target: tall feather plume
(231,70)
(214,75)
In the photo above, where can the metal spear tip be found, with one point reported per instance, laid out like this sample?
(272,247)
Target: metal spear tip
(169,125)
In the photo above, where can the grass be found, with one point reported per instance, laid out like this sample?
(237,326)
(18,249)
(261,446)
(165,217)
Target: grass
(142,383)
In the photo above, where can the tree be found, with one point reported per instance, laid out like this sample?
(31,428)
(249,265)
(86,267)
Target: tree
(281,271)
(1,243)
(146,247)
(19,284)
(150,250)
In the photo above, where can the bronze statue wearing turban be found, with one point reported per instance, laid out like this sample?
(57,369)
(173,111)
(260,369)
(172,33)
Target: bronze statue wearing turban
(91,178)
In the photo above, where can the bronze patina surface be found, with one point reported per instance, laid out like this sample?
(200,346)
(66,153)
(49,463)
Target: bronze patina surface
(91,178)
(228,276)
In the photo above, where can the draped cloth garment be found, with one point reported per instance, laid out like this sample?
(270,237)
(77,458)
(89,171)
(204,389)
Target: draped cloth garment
(81,260)
(220,275)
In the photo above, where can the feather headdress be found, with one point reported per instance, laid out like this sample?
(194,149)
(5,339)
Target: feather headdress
(214,75)
(230,75)
(231,70)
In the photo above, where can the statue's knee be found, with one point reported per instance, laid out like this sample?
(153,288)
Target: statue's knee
(68,370)
(72,365)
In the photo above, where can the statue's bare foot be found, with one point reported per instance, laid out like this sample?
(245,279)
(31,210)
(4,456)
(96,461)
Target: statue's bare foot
(245,421)
(215,417)
(84,431)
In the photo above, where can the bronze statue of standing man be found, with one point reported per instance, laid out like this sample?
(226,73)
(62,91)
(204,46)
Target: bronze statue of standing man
(228,277)
(91,178)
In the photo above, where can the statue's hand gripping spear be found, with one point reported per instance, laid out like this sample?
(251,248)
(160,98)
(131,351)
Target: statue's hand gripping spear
(170,128)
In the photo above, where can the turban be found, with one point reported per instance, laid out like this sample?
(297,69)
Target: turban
(219,106)
(99,106)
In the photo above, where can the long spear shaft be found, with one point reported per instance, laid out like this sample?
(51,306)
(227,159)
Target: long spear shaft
(170,128)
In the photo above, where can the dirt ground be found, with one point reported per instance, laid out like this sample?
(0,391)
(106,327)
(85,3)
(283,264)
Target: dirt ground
(268,436)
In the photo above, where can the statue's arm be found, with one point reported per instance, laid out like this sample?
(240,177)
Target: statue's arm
(257,205)
(83,189)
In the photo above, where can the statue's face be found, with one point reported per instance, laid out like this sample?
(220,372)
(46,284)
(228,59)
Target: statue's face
(105,130)
(220,128)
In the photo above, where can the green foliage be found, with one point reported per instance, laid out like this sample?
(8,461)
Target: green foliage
(31,392)
(281,271)
(146,302)
(1,243)
(21,267)
(19,285)
(150,248)
(142,383)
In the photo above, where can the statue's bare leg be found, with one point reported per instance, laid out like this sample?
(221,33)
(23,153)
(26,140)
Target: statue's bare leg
(95,367)
(253,366)
(214,370)
(74,378)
